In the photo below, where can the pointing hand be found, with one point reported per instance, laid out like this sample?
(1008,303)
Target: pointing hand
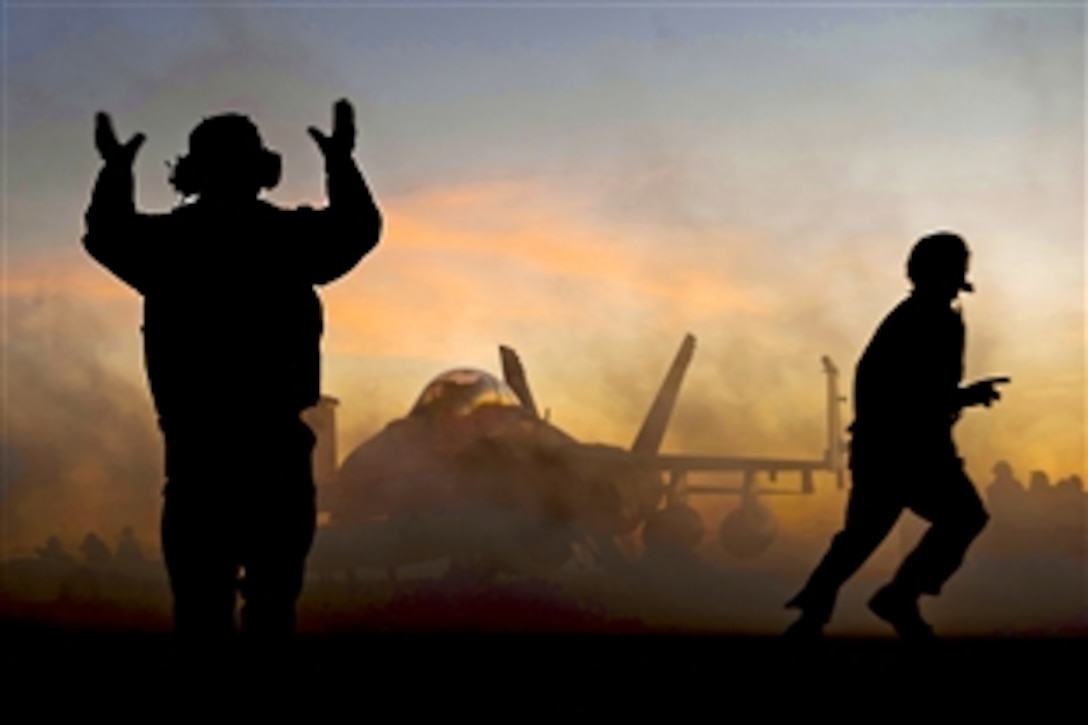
(983,392)
(112,151)
(342,141)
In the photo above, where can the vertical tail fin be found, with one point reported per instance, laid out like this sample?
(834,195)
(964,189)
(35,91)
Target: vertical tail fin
(514,374)
(653,428)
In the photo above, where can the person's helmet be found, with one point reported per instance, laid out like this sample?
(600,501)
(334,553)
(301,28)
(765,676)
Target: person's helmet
(221,146)
(940,259)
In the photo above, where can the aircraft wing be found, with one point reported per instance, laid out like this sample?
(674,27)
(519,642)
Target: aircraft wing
(692,464)
(696,463)
(677,466)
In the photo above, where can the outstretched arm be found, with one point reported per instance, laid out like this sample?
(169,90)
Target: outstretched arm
(115,233)
(339,236)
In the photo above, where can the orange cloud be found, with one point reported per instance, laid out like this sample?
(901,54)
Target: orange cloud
(464,268)
(505,256)
(71,273)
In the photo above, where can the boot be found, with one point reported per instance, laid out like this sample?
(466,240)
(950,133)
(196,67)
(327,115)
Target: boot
(810,625)
(900,610)
(806,627)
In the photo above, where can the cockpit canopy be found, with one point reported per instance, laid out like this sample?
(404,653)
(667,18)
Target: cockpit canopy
(461,391)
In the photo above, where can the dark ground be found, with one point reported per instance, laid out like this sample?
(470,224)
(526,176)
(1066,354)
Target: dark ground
(469,654)
(524,677)
(430,649)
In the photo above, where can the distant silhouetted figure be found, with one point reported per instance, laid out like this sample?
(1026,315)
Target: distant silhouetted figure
(1070,490)
(1006,496)
(95,551)
(1069,504)
(1011,531)
(1041,506)
(1042,495)
(1039,483)
(907,397)
(1005,488)
(232,330)
(54,552)
(128,549)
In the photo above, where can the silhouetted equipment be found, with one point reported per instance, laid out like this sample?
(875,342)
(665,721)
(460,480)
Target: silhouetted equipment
(474,473)
(749,530)
(673,527)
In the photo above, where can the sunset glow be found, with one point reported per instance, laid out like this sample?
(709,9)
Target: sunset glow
(584,185)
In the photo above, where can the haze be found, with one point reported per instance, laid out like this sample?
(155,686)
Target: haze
(583,184)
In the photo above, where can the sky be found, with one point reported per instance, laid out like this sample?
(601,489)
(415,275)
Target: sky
(585,183)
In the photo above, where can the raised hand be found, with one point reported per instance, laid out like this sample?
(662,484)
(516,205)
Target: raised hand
(109,148)
(342,141)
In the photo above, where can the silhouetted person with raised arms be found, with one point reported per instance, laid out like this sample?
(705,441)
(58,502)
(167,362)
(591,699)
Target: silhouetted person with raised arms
(907,398)
(232,330)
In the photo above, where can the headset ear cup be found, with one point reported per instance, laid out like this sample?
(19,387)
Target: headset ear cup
(184,177)
(271,169)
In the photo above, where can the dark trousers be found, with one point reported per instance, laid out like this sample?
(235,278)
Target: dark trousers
(942,494)
(238,500)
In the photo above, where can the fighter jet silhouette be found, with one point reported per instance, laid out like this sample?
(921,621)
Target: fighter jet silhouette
(475,474)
